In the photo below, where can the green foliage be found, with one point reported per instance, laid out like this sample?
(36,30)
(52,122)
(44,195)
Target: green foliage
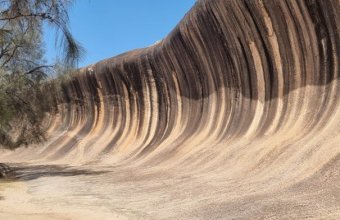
(24,101)
(32,12)
(22,108)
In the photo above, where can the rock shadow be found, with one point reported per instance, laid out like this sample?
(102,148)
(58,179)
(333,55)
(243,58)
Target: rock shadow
(23,172)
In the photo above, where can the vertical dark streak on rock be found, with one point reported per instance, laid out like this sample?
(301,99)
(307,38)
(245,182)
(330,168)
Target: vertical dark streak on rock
(231,74)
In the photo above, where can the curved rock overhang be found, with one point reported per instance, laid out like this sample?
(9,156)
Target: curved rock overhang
(248,87)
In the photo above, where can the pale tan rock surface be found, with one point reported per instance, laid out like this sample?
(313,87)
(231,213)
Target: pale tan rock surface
(234,115)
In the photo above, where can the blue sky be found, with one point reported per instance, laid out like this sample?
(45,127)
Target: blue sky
(106,28)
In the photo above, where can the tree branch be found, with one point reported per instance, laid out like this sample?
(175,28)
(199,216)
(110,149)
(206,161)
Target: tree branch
(20,15)
(37,68)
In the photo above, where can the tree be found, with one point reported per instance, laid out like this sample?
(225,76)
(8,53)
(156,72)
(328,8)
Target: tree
(23,70)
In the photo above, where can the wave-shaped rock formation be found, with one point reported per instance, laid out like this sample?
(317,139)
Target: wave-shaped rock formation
(235,114)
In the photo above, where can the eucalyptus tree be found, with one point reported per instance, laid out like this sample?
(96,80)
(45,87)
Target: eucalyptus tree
(23,69)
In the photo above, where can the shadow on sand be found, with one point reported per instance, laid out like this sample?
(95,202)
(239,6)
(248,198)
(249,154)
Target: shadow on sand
(24,172)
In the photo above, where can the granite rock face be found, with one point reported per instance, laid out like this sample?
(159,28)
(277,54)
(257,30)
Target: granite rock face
(230,73)
(245,93)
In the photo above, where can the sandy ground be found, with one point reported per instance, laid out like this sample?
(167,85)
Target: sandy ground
(103,192)
(234,115)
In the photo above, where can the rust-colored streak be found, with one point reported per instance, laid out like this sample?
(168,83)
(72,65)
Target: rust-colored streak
(242,98)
